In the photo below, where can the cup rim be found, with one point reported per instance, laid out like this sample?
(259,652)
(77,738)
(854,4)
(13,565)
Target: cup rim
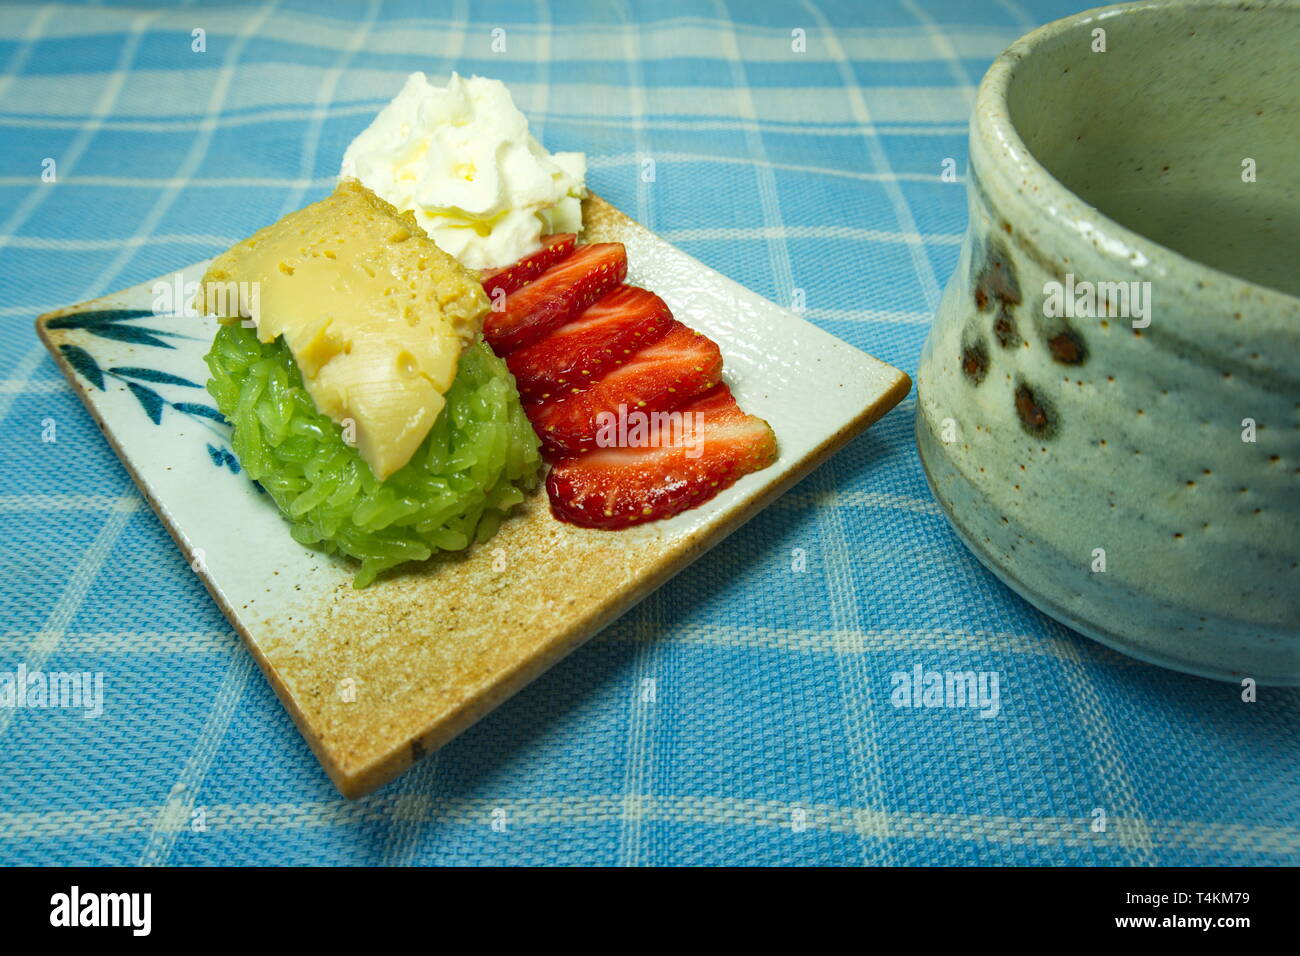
(993,126)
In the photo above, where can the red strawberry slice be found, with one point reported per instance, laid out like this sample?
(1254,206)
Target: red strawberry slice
(556,296)
(606,334)
(510,278)
(710,450)
(663,375)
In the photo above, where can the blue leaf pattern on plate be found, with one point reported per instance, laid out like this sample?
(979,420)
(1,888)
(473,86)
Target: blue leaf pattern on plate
(223,458)
(129,333)
(151,375)
(105,323)
(203,411)
(99,317)
(150,400)
(84,363)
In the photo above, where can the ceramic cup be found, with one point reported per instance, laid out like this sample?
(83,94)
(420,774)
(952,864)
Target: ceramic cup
(1109,399)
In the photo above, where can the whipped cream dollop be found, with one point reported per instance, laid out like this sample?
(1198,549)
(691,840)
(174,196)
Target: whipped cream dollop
(462,160)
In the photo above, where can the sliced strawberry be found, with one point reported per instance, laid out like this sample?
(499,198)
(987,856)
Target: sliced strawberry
(619,324)
(663,375)
(712,448)
(513,277)
(556,296)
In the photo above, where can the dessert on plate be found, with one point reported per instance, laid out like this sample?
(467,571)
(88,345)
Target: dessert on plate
(428,338)
(362,398)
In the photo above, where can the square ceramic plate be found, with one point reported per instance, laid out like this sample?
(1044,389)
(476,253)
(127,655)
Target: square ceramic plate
(377,678)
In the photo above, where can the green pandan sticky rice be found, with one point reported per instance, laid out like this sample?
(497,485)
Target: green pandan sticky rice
(476,463)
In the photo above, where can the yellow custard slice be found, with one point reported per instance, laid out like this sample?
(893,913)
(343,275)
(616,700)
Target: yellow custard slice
(374,313)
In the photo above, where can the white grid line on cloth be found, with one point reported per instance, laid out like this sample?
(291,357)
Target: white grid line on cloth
(30,312)
(646,627)
(31,387)
(131,642)
(721,234)
(606,99)
(836,498)
(879,159)
(126,242)
(794,499)
(371,106)
(593,162)
(1023,22)
(566,812)
(946,50)
(859,722)
(35,30)
(416,789)
(86,131)
(751,637)
(181,801)
(411,811)
(778,253)
(877,641)
(855,679)
(647,620)
(27,310)
(318,26)
(128,502)
(783,233)
(325,96)
(1115,793)
(639,106)
(23,374)
(542,101)
(770,126)
(74,593)
(622,159)
(162,182)
(870,315)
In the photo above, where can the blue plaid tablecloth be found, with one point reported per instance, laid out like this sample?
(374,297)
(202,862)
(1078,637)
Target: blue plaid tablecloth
(744,713)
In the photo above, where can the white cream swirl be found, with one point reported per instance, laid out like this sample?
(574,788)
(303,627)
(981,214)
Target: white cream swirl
(462,159)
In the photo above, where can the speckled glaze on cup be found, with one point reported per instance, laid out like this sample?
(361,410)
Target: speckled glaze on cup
(1069,435)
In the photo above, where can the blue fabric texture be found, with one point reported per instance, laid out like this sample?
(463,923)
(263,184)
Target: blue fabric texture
(743,713)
